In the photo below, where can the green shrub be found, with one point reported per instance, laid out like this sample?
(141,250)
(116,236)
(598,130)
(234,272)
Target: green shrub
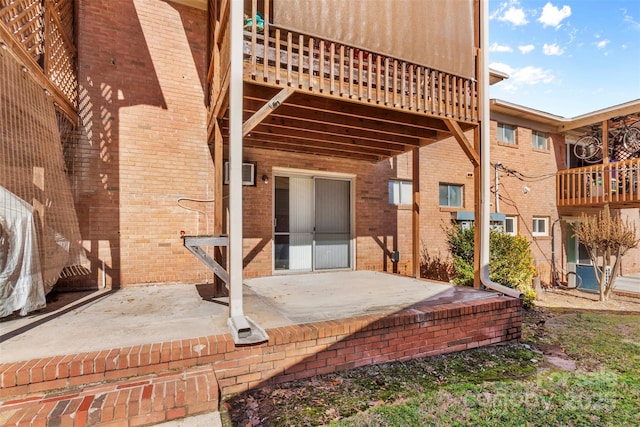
(510,260)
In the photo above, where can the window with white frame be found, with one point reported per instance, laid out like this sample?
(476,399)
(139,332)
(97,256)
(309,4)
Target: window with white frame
(400,192)
(506,134)
(450,195)
(540,226)
(539,140)
(511,225)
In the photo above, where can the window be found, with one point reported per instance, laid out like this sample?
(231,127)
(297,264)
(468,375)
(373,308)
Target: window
(400,192)
(511,225)
(539,140)
(451,195)
(506,134)
(540,226)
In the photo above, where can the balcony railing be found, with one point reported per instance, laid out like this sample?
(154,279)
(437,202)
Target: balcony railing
(615,183)
(278,57)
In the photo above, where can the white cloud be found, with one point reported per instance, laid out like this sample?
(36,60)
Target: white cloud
(514,15)
(630,20)
(495,47)
(527,48)
(528,75)
(552,16)
(531,75)
(603,43)
(552,50)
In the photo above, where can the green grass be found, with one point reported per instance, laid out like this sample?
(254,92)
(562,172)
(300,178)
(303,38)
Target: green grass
(504,385)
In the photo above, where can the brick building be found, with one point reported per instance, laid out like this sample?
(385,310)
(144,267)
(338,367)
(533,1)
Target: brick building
(144,153)
(122,141)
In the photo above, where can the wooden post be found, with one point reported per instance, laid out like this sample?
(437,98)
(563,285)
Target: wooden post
(218,141)
(606,179)
(416,212)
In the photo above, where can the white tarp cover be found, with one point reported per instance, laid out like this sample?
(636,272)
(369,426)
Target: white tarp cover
(21,284)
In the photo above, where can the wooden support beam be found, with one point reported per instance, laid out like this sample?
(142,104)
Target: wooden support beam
(390,131)
(458,134)
(218,206)
(313,147)
(297,146)
(316,138)
(606,179)
(266,109)
(222,103)
(279,119)
(416,212)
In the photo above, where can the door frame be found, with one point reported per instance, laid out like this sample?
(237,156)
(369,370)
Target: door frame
(312,174)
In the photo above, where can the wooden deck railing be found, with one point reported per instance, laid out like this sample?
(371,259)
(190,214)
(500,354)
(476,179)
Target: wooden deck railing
(596,185)
(44,32)
(279,57)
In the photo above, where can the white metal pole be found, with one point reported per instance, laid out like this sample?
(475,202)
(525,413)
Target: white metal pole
(485,158)
(235,161)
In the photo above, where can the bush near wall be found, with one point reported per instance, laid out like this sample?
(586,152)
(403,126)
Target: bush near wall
(510,260)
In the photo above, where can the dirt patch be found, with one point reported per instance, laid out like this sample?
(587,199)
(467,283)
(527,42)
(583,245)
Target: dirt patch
(555,356)
(581,300)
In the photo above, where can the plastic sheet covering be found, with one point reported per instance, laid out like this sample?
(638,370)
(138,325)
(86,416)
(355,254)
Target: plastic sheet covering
(434,33)
(21,285)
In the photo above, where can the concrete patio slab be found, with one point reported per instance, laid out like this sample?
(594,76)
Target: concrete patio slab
(131,316)
(629,283)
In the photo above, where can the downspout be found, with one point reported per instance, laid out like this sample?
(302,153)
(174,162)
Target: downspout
(485,165)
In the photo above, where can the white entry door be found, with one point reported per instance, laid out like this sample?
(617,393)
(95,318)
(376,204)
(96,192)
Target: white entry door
(312,223)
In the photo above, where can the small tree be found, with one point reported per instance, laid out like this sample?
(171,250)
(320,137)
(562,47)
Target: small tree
(604,237)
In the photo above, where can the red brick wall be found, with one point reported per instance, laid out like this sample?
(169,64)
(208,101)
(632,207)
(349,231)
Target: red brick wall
(292,352)
(379,226)
(442,162)
(143,145)
(303,351)
(534,169)
(141,73)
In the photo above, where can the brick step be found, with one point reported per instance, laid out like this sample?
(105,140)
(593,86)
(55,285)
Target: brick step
(137,401)
(78,370)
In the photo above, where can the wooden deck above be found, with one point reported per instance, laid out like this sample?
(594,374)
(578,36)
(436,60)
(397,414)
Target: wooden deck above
(615,184)
(333,99)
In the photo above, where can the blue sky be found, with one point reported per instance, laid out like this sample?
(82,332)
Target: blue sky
(566,57)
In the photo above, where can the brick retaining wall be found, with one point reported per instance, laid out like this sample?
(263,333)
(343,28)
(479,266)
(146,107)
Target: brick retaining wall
(292,352)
